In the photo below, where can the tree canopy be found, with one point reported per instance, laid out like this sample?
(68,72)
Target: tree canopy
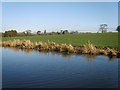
(10,33)
(118,28)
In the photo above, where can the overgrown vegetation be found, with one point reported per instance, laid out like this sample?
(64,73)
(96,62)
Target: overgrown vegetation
(88,48)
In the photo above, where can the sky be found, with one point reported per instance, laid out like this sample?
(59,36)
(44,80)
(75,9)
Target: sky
(0,16)
(56,16)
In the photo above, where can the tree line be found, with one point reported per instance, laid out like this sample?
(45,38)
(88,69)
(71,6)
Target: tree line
(10,33)
(13,33)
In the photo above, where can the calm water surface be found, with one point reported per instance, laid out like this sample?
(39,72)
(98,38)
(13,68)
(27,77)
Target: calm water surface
(33,69)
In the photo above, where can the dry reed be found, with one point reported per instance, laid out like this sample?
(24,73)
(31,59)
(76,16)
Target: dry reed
(88,48)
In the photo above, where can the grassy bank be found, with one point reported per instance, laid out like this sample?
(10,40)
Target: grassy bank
(88,48)
(98,39)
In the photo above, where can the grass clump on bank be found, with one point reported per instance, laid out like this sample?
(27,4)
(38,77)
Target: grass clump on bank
(88,48)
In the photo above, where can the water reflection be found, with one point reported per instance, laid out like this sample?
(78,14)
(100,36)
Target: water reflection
(112,57)
(90,58)
(23,68)
(64,55)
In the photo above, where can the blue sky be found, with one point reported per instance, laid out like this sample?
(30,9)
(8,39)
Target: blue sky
(54,16)
(0,16)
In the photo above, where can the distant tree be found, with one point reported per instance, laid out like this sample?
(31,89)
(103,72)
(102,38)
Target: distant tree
(10,33)
(38,32)
(76,32)
(27,32)
(61,31)
(73,32)
(65,32)
(58,32)
(44,31)
(103,28)
(118,28)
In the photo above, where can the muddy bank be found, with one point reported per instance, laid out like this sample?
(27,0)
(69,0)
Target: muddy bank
(88,48)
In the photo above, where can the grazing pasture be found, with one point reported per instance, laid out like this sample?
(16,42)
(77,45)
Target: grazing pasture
(100,40)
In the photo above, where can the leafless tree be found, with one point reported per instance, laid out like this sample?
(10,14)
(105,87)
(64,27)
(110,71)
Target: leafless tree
(103,28)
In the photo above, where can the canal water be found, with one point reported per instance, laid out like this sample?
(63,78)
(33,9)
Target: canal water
(34,69)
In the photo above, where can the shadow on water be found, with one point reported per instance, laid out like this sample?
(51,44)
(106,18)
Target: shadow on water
(90,58)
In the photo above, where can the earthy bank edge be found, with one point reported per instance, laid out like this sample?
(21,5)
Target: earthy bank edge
(88,48)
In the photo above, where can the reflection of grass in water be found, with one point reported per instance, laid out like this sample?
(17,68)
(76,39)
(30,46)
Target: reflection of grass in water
(90,58)
(63,54)
(14,49)
(111,58)
(67,55)
(18,50)
(27,50)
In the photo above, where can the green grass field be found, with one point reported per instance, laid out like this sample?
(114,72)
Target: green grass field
(98,39)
